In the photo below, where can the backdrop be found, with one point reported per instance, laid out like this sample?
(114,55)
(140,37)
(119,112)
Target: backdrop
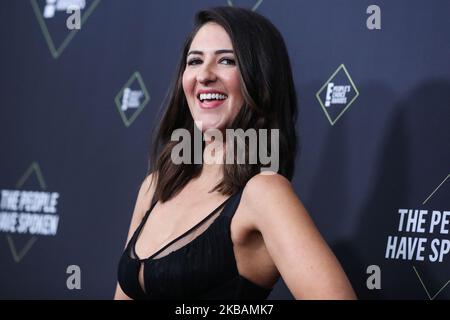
(79,104)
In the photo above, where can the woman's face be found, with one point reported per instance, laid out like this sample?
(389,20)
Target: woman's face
(211,80)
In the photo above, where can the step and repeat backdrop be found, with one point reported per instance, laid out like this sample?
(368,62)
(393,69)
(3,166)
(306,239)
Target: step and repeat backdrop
(82,89)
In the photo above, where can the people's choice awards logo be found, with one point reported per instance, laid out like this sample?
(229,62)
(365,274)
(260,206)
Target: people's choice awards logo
(60,20)
(132,99)
(337,94)
(28,211)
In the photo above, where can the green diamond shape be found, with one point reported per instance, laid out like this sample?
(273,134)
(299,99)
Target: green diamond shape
(135,76)
(56,52)
(333,121)
(19,255)
(255,6)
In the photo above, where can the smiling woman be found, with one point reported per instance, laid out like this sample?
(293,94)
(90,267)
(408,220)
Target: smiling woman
(227,231)
(212,78)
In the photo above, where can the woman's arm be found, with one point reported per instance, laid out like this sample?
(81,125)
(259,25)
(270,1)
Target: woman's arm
(304,260)
(143,200)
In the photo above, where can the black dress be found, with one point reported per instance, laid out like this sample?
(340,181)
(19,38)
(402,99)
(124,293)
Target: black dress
(199,264)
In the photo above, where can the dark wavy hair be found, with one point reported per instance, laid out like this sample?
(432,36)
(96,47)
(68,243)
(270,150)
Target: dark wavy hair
(270,102)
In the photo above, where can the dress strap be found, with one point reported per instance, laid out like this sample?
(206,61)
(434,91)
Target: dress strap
(147,213)
(139,228)
(224,204)
(233,204)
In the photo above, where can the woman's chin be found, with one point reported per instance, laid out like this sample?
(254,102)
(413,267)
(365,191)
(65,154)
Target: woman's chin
(207,124)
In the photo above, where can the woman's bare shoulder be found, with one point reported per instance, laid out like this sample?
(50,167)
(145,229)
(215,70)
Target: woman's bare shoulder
(145,195)
(266,178)
(294,243)
(266,193)
(267,187)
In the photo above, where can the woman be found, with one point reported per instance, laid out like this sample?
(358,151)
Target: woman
(227,230)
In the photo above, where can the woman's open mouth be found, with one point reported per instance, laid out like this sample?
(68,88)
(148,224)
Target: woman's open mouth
(211,100)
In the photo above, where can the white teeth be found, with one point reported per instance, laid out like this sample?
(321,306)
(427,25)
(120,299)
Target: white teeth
(212,96)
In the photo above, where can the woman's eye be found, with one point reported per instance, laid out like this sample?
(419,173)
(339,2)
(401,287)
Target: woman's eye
(194,62)
(228,61)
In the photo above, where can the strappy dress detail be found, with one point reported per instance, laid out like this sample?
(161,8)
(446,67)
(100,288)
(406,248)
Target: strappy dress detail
(198,264)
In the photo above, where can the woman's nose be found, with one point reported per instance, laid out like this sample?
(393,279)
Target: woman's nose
(206,75)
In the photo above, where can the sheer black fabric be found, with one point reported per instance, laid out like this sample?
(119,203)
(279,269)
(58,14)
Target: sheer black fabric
(199,264)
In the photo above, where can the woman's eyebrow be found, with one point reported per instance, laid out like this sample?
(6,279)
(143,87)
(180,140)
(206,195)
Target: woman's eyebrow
(216,52)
